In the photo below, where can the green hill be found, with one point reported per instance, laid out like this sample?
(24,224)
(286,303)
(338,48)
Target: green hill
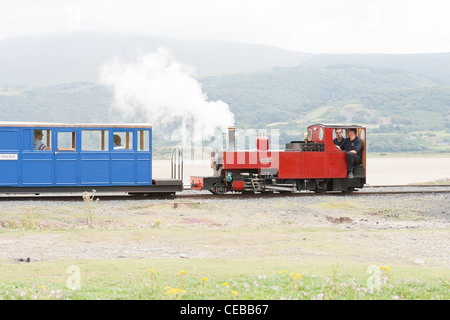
(404,111)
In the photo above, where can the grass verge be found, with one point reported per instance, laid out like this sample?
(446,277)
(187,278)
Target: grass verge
(199,279)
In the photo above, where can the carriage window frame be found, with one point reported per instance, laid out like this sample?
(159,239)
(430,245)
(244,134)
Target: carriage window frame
(143,140)
(47,139)
(103,143)
(72,146)
(126,140)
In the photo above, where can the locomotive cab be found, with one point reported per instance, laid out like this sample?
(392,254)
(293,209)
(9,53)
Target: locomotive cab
(324,135)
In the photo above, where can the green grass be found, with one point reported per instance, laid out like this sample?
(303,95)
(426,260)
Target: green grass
(200,279)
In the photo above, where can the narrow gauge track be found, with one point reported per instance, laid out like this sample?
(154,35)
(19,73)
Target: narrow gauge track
(187,194)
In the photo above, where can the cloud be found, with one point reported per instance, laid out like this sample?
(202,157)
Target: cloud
(321,26)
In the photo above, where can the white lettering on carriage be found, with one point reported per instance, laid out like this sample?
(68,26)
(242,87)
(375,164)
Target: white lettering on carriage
(9,156)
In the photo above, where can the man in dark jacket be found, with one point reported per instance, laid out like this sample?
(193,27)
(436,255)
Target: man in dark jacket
(353,147)
(339,140)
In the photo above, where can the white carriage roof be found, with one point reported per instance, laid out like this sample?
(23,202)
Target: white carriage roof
(73,125)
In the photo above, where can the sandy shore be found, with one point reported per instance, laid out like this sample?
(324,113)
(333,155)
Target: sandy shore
(380,171)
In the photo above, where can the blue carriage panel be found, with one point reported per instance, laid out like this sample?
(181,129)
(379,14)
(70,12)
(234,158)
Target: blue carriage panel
(66,156)
(95,169)
(150,148)
(144,157)
(9,140)
(36,166)
(9,157)
(144,168)
(37,169)
(95,157)
(123,156)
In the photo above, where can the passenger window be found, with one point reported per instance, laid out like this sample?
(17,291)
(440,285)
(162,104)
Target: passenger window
(143,140)
(123,140)
(94,140)
(42,140)
(66,141)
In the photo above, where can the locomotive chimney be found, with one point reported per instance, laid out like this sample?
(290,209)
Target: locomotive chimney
(231,138)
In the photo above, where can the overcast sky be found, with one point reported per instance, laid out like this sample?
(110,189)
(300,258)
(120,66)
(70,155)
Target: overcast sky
(315,26)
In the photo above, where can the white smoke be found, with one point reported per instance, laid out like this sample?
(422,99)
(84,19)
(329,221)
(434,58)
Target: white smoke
(155,88)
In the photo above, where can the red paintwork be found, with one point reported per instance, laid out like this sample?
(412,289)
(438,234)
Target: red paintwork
(262,143)
(330,163)
(238,185)
(250,159)
(196,183)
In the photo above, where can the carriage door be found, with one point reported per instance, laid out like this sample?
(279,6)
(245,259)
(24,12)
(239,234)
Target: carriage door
(66,157)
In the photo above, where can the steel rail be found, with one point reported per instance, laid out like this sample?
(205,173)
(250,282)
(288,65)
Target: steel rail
(206,196)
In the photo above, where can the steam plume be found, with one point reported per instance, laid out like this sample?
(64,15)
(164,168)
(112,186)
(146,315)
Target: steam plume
(157,89)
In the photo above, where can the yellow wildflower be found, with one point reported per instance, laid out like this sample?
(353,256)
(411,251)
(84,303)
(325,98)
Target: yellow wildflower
(205,279)
(225,284)
(298,276)
(173,291)
(386,269)
(183,272)
(282,271)
(234,293)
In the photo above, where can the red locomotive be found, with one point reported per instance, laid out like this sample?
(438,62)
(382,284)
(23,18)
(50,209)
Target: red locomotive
(313,164)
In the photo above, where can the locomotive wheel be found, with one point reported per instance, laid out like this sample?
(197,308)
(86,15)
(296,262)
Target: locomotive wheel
(219,188)
(321,187)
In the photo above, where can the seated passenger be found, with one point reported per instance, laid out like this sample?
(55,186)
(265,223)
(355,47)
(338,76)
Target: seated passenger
(118,142)
(353,147)
(38,144)
(339,140)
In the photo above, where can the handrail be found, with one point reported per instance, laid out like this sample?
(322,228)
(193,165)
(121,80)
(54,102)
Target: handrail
(176,164)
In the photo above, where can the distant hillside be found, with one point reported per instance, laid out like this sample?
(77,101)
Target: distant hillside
(288,94)
(72,102)
(435,65)
(402,110)
(56,59)
(404,100)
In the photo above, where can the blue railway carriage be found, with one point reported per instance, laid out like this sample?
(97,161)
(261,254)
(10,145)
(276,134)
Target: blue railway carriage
(50,157)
